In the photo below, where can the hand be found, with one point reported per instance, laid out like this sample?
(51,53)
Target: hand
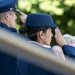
(59,38)
(23,17)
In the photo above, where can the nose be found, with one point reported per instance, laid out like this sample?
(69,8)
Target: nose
(15,16)
(51,34)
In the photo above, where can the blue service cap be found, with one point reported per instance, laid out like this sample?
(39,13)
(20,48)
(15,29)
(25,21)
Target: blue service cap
(7,5)
(40,19)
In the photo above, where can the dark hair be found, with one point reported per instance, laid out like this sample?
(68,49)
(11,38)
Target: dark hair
(33,36)
(23,30)
(32,31)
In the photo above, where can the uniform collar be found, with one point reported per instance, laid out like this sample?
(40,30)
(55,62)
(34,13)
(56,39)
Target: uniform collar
(12,29)
(46,46)
(3,25)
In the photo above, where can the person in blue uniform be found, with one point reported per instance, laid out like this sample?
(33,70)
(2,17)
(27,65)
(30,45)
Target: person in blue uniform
(8,64)
(34,24)
(39,28)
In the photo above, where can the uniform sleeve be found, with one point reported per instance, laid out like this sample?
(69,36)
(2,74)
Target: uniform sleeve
(69,51)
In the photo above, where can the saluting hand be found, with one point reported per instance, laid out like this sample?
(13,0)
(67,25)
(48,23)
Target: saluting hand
(59,38)
(23,17)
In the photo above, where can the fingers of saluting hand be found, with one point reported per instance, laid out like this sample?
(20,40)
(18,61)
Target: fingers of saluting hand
(57,31)
(58,37)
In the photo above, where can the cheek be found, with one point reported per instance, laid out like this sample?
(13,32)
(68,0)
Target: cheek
(49,35)
(14,16)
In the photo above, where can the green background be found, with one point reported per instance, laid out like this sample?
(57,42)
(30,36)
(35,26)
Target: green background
(62,11)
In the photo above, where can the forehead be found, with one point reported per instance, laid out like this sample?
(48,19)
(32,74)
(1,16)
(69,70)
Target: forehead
(50,29)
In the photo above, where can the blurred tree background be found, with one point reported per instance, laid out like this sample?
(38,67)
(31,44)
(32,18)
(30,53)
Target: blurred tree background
(62,11)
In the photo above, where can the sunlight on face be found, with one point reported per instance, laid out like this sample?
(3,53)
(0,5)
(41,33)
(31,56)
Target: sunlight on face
(48,36)
(12,19)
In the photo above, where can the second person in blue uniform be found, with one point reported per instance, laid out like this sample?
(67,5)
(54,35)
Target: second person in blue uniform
(39,28)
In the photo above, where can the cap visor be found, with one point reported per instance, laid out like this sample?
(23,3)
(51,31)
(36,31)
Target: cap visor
(53,26)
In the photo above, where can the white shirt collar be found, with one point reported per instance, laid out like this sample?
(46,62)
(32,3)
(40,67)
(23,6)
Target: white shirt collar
(46,46)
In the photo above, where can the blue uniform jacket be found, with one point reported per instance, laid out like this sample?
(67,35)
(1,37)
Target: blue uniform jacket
(26,68)
(69,51)
(8,64)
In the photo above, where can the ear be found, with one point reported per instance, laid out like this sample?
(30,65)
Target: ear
(6,16)
(41,34)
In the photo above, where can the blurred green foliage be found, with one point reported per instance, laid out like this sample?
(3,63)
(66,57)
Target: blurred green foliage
(62,11)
